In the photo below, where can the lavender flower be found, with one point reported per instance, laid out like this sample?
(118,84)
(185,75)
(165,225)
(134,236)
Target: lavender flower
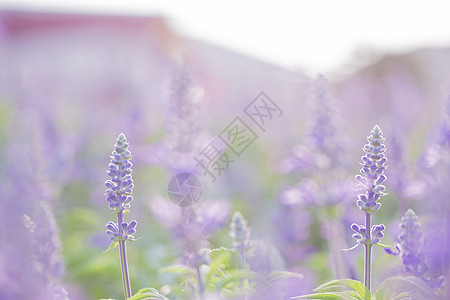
(411,243)
(325,144)
(370,183)
(442,135)
(120,187)
(293,229)
(325,136)
(411,249)
(183,127)
(30,260)
(184,120)
(372,172)
(322,157)
(183,123)
(191,227)
(118,196)
(240,233)
(435,163)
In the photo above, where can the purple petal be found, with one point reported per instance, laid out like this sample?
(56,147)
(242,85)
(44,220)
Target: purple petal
(132,225)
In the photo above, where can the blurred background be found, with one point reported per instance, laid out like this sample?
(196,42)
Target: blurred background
(172,76)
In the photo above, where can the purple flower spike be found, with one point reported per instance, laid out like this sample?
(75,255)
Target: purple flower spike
(120,186)
(372,172)
(373,164)
(240,233)
(326,136)
(118,195)
(412,250)
(411,242)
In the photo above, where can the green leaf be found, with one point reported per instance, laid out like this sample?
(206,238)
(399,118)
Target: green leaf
(111,246)
(148,294)
(402,287)
(404,296)
(219,260)
(221,263)
(327,296)
(233,259)
(235,276)
(342,284)
(178,269)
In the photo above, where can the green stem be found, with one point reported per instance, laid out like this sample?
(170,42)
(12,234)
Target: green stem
(123,260)
(200,284)
(368,254)
(243,266)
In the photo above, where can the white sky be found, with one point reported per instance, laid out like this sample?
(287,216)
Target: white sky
(316,35)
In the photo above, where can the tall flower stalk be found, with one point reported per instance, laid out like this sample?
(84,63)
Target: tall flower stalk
(240,233)
(184,120)
(411,248)
(118,195)
(411,243)
(321,160)
(435,163)
(370,184)
(31,265)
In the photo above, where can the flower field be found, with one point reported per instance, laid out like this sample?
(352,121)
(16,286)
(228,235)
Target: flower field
(139,164)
